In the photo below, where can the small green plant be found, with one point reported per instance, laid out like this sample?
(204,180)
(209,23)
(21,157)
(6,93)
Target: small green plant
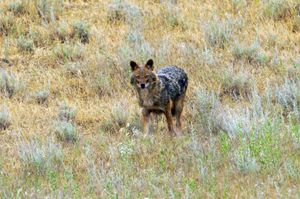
(5,119)
(42,96)
(278,9)
(7,24)
(265,146)
(25,44)
(244,160)
(66,131)
(295,135)
(38,157)
(225,143)
(72,184)
(81,30)
(17,8)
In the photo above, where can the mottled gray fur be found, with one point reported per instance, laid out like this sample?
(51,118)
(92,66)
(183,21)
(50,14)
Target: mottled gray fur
(173,82)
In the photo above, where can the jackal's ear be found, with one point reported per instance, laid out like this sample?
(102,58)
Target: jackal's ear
(153,77)
(133,65)
(149,64)
(132,79)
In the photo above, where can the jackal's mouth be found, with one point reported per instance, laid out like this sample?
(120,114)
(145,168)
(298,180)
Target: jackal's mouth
(146,102)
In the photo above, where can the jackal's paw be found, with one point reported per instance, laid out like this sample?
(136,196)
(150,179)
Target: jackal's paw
(146,135)
(178,133)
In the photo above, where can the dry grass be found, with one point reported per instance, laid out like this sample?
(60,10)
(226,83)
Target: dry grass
(70,125)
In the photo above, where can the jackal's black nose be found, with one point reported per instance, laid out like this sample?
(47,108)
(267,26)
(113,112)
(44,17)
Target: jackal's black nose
(142,86)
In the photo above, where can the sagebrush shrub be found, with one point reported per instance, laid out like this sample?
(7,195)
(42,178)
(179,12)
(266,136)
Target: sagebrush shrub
(134,45)
(38,157)
(244,161)
(42,96)
(7,23)
(25,44)
(66,113)
(288,95)
(236,85)
(9,83)
(278,9)
(102,85)
(5,119)
(252,54)
(67,52)
(117,119)
(291,169)
(75,69)
(120,10)
(49,10)
(207,105)
(61,30)
(218,32)
(238,4)
(66,131)
(81,30)
(171,15)
(17,8)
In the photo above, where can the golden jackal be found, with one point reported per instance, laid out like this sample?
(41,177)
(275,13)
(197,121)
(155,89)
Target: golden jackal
(161,92)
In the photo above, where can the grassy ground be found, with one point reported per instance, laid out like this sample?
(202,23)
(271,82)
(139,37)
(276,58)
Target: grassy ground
(69,119)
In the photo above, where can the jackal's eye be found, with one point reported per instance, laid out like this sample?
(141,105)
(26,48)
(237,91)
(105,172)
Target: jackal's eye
(147,78)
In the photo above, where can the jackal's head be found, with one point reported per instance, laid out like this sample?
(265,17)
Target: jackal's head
(143,77)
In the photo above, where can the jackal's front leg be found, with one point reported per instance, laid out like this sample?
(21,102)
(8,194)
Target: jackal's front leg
(146,121)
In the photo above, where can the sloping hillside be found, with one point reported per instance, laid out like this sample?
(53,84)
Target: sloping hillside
(70,121)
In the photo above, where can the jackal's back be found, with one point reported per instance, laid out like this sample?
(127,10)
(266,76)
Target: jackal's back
(174,80)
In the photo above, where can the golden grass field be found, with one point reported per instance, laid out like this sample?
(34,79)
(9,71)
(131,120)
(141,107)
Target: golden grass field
(69,118)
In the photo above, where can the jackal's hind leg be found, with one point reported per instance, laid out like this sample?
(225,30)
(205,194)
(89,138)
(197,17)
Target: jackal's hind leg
(168,114)
(178,110)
